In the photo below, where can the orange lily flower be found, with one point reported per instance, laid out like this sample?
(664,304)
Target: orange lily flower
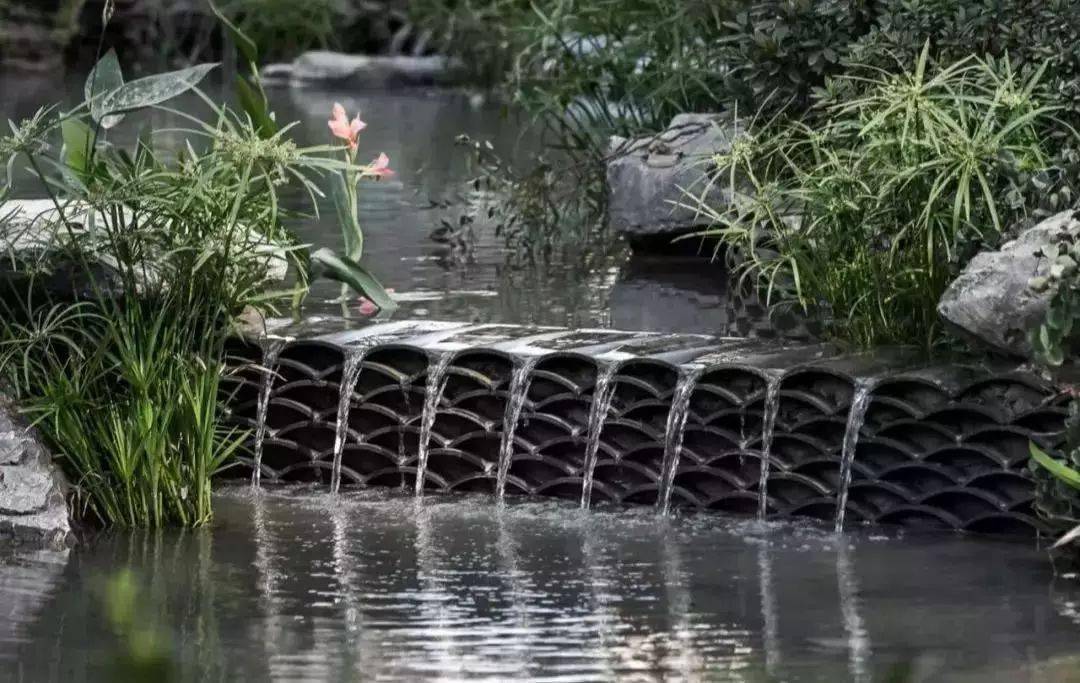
(342,128)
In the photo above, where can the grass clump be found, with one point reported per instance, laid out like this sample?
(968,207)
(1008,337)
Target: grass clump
(119,300)
(866,217)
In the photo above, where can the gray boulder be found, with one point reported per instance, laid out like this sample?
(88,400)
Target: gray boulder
(651,179)
(33,501)
(992,302)
(321,67)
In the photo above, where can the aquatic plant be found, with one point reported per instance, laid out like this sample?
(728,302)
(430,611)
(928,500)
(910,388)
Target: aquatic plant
(115,323)
(346,267)
(864,217)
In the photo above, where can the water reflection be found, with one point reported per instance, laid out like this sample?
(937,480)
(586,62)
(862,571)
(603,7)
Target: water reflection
(293,585)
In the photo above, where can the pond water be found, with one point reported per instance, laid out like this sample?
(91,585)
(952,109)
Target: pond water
(599,285)
(297,585)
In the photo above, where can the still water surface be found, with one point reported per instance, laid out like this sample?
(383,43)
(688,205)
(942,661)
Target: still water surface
(592,285)
(294,584)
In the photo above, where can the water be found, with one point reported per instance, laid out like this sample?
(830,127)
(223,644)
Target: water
(517,392)
(593,285)
(350,375)
(860,401)
(436,384)
(674,431)
(603,393)
(271,352)
(301,586)
(768,427)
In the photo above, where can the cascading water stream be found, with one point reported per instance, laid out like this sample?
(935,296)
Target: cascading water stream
(271,352)
(768,428)
(603,394)
(350,374)
(674,432)
(520,380)
(433,391)
(860,401)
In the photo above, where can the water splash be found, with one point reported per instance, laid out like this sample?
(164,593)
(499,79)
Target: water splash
(860,401)
(674,431)
(406,400)
(603,394)
(271,352)
(350,374)
(520,379)
(436,384)
(768,428)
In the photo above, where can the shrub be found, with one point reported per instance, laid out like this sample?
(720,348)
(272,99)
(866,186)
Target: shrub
(1031,34)
(867,215)
(625,66)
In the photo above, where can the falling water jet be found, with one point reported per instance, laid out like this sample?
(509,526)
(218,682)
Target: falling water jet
(350,374)
(674,431)
(603,393)
(768,428)
(860,401)
(520,380)
(273,349)
(436,384)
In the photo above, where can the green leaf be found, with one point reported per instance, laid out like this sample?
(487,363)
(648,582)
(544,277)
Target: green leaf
(106,77)
(76,136)
(1057,468)
(347,218)
(326,263)
(255,106)
(146,92)
(245,45)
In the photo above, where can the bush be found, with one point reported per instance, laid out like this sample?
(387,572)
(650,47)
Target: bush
(1031,34)
(867,215)
(627,66)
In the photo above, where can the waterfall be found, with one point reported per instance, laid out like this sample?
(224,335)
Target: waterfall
(519,390)
(436,383)
(673,435)
(603,393)
(860,401)
(768,428)
(350,374)
(270,355)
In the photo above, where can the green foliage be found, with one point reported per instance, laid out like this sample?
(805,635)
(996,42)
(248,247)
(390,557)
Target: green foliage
(348,272)
(780,51)
(283,29)
(113,328)
(1054,339)
(1057,480)
(624,66)
(866,216)
(1032,34)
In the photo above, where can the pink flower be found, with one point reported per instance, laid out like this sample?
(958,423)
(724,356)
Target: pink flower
(368,307)
(380,167)
(342,128)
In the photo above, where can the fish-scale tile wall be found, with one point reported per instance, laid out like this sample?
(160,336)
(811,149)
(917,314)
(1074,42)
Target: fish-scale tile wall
(942,447)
